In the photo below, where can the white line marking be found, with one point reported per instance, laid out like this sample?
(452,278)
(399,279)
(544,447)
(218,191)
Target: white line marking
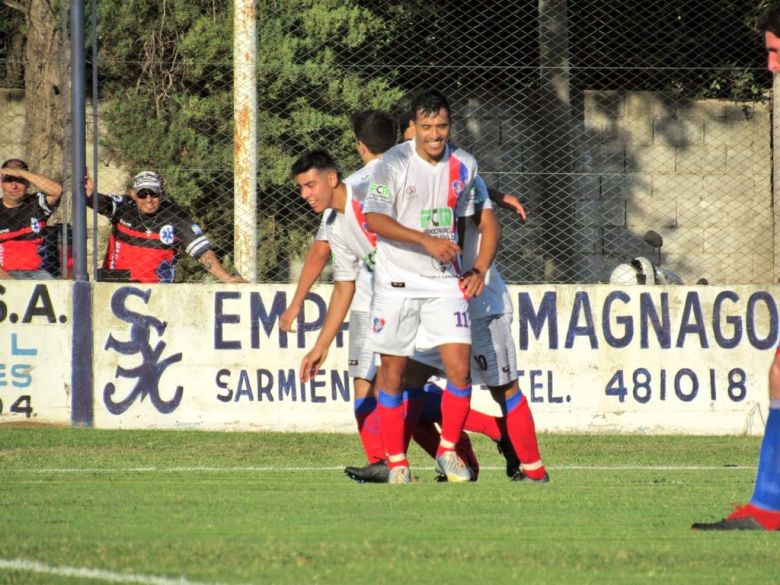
(86,573)
(271,469)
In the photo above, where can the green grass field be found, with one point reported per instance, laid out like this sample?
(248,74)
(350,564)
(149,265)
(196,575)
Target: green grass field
(184,507)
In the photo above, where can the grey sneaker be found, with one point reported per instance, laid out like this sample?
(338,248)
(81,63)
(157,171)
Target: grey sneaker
(400,475)
(452,467)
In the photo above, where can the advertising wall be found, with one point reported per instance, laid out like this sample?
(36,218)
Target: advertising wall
(35,343)
(591,358)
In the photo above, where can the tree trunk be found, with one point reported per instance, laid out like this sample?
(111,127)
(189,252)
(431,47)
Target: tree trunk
(43,85)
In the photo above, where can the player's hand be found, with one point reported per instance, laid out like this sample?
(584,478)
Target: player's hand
(89,186)
(311,363)
(289,318)
(443,250)
(472,283)
(512,203)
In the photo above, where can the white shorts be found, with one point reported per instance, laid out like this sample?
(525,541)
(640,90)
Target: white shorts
(400,326)
(362,362)
(493,353)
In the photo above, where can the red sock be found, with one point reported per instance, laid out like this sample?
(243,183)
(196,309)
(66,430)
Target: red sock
(369,428)
(455,406)
(414,401)
(484,424)
(391,416)
(465,451)
(427,437)
(522,434)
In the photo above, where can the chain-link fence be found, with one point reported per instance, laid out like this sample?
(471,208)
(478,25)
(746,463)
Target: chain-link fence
(608,120)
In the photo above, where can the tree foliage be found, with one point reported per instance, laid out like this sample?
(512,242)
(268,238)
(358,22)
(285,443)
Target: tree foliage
(166,78)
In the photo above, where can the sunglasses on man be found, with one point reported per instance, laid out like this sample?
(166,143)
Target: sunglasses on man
(144,193)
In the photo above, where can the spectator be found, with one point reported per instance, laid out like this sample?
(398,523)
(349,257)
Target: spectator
(24,249)
(148,232)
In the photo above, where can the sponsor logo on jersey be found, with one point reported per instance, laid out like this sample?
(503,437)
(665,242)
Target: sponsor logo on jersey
(398,284)
(377,325)
(166,234)
(353,362)
(35,225)
(439,217)
(377,192)
(196,229)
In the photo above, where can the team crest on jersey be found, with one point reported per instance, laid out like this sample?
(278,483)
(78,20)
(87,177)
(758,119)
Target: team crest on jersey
(377,325)
(458,186)
(166,234)
(196,229)
(35,225)
(411,190)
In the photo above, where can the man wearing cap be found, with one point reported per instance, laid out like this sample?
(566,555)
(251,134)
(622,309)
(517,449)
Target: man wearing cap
(148,231)
(23,246)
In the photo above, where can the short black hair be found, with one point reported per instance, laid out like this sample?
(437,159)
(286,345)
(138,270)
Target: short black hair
(770,19)
(376,129)
(318,159)
(15,163)
(403,122)
(429,102)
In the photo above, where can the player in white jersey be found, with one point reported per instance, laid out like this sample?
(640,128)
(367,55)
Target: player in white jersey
(418,192)
(493,354)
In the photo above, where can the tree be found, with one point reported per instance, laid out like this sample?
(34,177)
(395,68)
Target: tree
(166,76)
(43,83)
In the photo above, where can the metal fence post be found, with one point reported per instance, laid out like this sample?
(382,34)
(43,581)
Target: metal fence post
(245,138)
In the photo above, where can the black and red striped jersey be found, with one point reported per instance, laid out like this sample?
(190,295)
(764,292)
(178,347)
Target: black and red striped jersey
(22,229)
(148,245)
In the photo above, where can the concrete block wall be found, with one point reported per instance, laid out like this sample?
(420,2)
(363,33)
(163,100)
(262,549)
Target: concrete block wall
(697,172)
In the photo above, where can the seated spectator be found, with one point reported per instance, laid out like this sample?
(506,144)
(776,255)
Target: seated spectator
(24,249)
(148,232)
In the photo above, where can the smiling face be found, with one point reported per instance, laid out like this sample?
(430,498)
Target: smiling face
(148,201)
(317,187)
(430,134)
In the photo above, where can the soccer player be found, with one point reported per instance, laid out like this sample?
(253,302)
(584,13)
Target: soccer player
(353,249)
(493,364)
(763,510)
(418,192)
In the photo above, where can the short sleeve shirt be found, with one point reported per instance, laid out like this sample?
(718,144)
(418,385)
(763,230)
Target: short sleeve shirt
(423,197)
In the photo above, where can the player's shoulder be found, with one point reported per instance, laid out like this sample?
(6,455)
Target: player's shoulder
(462,155)
(398,156)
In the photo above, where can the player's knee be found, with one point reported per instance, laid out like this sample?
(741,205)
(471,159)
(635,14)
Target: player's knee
(459,374)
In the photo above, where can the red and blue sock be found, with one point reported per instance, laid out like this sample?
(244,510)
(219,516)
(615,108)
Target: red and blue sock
(455,406)
(367,418)
(522,433)
(414,402)
(766,494)
(391,416)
